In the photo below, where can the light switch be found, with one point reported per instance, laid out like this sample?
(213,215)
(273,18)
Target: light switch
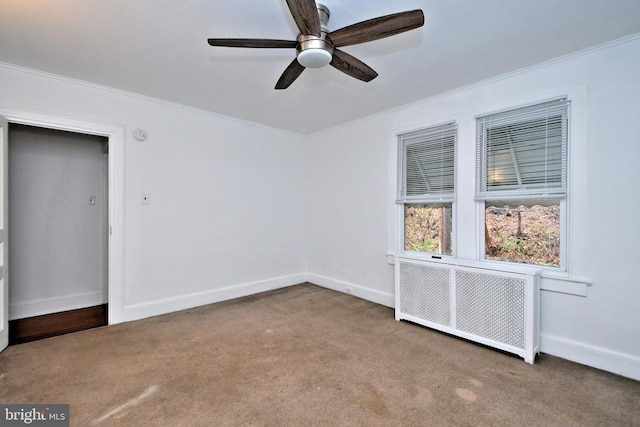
(91,201)
(146,199)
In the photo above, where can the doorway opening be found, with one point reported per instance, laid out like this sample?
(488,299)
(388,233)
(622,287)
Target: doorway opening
(59,228)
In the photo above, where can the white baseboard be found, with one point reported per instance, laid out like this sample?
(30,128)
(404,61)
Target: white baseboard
(597,357)
(184,302)
(383,298)
(24,309)
(623,364)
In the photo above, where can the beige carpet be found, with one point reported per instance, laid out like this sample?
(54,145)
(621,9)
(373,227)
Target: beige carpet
(303,356)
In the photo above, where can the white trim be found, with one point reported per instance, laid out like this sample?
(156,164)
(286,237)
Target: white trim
(577,95)
(378,297)
(480,265)
(396,243)
(147,98)
(116,135)
(485,197)
(623,364)
(21,310)
(564,285)
(498,78)
(392,208)
(184,302)
(560,98)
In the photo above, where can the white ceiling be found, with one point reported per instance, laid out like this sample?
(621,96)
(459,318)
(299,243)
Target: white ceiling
(159,48)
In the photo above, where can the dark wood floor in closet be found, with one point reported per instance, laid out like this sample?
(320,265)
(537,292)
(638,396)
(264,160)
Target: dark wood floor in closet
(50,325)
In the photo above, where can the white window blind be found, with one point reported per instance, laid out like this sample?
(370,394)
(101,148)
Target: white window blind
(426,164)
(522,153)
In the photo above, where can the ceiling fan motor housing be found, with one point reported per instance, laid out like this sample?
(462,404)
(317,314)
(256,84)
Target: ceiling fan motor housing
(314,51)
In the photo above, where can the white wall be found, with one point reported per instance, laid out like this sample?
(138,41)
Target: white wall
(57,237)
(228,199)
(351,186)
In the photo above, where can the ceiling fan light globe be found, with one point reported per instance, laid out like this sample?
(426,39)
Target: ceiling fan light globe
(314,58)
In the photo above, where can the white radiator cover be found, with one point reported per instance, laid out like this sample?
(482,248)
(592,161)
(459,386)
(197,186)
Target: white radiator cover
(477,301)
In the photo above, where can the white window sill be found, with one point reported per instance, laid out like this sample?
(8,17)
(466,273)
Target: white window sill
(549,281)
(565,285)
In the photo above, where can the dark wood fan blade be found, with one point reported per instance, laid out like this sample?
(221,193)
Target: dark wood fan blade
(352,66)
(258,43)
(305,13)
(290,74)
(377,28)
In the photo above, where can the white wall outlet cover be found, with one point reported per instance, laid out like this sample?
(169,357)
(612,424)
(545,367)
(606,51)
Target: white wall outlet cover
(140,134)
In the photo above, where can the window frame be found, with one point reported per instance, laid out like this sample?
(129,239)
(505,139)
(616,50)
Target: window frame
(402,200)
(560,194)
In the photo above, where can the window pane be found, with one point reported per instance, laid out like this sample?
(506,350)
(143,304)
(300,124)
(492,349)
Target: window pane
(427,228)
(429,166)
(524,232)
(426,161)
(523,151)
(525,154)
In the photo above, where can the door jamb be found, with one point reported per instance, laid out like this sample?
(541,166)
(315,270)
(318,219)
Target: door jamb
(116,137)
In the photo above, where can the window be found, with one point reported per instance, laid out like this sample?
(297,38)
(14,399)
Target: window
(521,174)
(426,188)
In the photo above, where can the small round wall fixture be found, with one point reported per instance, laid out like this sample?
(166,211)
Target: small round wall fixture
(140,134)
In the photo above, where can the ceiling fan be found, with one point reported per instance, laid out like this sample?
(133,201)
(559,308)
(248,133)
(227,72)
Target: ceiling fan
(317,47)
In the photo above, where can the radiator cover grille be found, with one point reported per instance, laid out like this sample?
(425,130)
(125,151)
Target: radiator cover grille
(491,306)
(426,293)
(499,308)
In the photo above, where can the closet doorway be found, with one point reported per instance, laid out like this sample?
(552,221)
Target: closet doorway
(59,232)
